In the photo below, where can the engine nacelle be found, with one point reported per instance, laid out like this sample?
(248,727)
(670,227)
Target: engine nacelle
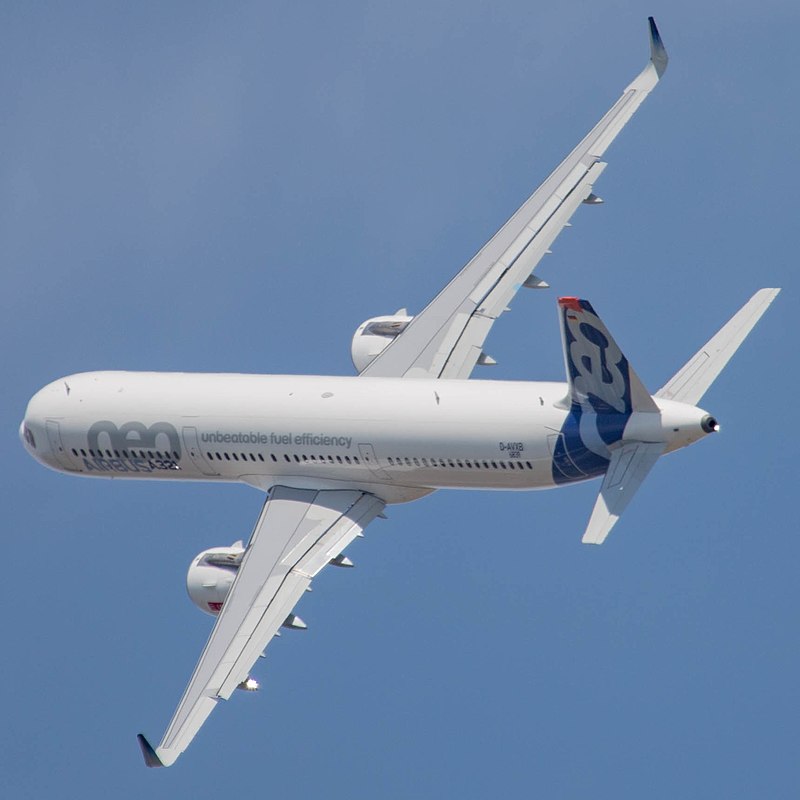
(211,576)
(375,335)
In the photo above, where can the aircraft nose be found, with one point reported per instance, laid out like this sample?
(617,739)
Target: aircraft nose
(26,437)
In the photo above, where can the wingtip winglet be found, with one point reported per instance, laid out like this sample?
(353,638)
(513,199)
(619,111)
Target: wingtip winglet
(150,757)
(658,53)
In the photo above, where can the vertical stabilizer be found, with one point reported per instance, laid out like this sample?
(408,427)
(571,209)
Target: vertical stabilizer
(600,379)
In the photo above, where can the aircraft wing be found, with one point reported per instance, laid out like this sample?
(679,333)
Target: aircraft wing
(446,339)
(298,532)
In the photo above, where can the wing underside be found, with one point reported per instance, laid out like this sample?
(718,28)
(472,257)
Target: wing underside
(446,339)
(298,532)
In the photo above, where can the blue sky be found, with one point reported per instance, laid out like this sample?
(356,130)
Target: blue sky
(192,186)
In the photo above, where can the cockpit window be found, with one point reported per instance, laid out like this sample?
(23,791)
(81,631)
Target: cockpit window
(28,433)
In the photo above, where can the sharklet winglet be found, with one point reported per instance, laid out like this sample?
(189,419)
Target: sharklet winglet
(658,53)
(150,757)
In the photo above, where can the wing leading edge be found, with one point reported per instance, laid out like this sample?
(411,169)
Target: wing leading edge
(445,340)
(298,532)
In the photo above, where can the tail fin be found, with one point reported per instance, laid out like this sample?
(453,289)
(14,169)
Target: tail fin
(600,379)
(692,381)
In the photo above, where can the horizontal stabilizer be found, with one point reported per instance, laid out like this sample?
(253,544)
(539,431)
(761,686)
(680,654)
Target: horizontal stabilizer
(630,464)
(692,381)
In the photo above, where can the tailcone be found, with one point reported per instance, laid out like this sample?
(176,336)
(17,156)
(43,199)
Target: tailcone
(683,424)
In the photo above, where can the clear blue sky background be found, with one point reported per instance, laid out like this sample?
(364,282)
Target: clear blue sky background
(235,187)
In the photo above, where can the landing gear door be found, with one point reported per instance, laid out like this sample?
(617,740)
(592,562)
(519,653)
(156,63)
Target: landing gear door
(192,445)
(367,453)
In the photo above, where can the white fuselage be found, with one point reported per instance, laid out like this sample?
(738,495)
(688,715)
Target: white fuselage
(396,438)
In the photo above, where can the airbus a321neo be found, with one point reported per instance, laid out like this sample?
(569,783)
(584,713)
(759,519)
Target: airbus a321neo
(332,452)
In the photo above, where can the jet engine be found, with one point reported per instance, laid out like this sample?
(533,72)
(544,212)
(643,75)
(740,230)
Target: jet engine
(211,576)
(375,335)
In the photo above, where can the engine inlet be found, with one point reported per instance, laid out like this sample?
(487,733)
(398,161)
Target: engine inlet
(709,424)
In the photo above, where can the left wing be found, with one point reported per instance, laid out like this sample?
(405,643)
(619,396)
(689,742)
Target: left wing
(446,339)
(298,532)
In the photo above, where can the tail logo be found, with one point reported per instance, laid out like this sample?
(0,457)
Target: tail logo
(600,394)
(597,367)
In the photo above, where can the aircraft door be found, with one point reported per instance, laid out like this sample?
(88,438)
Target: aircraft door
(558,448)
(367,453)
(192,445)
(56,445)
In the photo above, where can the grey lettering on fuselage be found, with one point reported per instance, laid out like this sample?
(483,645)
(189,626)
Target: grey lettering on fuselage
(134,435)
(254,437)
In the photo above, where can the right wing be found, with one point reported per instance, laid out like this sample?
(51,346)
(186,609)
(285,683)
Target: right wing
(298,532)
(445,340)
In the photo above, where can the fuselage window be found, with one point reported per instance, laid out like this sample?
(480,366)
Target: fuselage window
(116,453)
(355,458)
(227,457)
(272,456)
(494,465)
(528,465)
(176,455)
(339,459)
(330,459)
(210,456)
(260,457)
(74,451)
(468,463)
(347,459)
(459,464)
(391,461)
(286,458)
(235,457)
(304,457)
(450,462)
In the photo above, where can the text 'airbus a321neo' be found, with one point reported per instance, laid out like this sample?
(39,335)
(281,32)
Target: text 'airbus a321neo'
(331,452)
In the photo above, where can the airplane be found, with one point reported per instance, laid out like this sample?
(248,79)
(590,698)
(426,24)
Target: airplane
(331,452)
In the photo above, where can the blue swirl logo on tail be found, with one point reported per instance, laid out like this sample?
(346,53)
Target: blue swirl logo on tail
(599,396)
